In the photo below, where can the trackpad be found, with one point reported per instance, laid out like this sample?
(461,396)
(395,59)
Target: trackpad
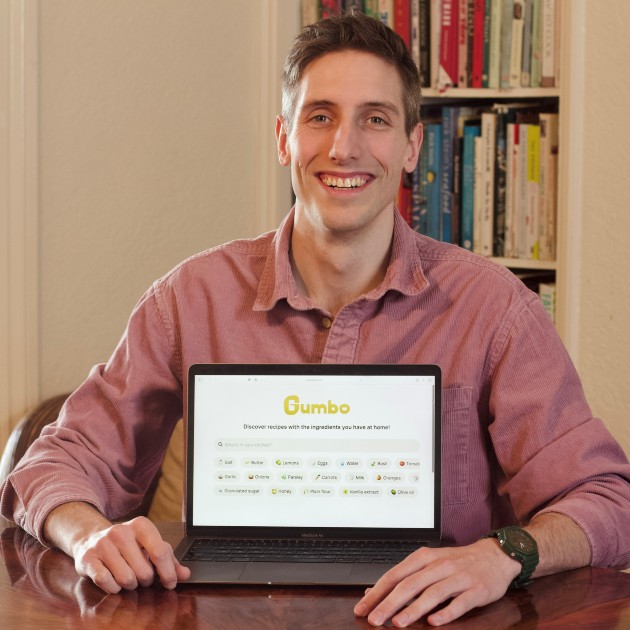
(296,573)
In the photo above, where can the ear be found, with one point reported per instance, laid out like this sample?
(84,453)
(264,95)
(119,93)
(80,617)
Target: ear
(413,149)
(282,138)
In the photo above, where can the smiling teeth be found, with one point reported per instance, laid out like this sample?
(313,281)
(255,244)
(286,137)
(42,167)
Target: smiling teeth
(344,182)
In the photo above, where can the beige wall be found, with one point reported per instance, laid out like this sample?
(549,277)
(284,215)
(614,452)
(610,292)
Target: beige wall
(604,305)
(149,134)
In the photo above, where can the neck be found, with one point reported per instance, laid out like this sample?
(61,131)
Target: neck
(335,269)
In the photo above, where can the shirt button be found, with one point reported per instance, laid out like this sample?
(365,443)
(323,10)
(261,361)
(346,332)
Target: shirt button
(326,322)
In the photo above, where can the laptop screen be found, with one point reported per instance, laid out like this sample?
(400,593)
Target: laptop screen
(314,446)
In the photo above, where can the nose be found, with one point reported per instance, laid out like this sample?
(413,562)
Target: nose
(345,143)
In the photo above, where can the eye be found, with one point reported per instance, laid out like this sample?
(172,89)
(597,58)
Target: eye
(378,121)
(320,118)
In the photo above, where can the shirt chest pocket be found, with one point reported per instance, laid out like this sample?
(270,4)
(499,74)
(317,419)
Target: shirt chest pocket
(456,415)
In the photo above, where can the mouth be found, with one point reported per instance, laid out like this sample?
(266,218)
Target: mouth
(344,183)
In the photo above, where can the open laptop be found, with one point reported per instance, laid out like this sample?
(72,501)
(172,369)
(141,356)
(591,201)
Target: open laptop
(309,474)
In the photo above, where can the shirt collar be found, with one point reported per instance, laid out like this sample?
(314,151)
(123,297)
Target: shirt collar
(404,272)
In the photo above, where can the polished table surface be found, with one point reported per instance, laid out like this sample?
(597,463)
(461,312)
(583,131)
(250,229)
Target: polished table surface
(39,589)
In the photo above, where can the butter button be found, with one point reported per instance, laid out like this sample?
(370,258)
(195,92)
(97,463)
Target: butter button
(326,322)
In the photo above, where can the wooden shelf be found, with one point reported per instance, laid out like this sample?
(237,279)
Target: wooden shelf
(510,93)
(521,263)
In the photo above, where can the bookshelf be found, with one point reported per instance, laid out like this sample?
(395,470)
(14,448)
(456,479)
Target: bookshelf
(567,96)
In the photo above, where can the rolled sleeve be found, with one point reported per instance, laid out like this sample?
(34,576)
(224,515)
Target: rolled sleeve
(111,435)
(554,455)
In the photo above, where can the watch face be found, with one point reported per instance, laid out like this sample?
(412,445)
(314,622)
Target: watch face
(520,540)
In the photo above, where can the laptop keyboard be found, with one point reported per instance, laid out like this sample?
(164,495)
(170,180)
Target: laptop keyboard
(297,550)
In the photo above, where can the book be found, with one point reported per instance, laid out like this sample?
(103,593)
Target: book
(516,49)
(402,20)
(414,35)
(431,177)
(447,69)
(435,21)
(547,294)
(476,79)
(549,123)
(494,63)
(532,220)
(510,247)
(487,18)
(462,44)
(478,193)
(470,15)
(329,8)
(520,193)
(526,61)
(548,68)
(500,177)
(472,130)
(507,13)
(536,63)
(418,199)
(310,12)
(386,12)
(424,37)
(488,137)
(449,134)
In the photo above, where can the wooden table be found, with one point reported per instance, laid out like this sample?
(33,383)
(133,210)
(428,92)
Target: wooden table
(39,589)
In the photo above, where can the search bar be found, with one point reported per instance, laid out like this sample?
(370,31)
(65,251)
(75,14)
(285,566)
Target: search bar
(321,445)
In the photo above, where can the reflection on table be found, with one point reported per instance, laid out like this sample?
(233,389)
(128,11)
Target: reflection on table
(39,588)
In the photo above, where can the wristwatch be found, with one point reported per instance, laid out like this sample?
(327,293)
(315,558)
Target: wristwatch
(521,546)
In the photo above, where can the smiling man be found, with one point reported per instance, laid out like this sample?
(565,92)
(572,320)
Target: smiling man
(532,482)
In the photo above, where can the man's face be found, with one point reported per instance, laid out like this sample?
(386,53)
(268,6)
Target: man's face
(347,146)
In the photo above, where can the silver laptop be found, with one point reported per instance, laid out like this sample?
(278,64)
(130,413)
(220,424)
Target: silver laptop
(309,474)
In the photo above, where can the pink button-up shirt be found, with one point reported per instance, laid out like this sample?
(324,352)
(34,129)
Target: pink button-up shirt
(519,438)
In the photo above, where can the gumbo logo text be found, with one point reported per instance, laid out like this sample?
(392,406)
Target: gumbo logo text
(292,406)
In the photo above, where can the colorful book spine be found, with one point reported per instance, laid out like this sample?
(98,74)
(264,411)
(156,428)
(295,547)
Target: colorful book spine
(449,135)
(414,37)
(471,131)
(506,42)
(488,136)
(500,176)
(516,49)
(548,184)
(533,191)
(476,80)
(478,195)
(520,196)
(424,36)
(487,19)
(510,250)
(548,78)
(402,20)
(526,61)
(547,294)
(447,70)
(536,65)
(386,12)
(418,199)
(431,177)
(462,44)
(436,29)
(494,64)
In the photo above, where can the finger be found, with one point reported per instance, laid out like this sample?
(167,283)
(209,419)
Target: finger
(159,551)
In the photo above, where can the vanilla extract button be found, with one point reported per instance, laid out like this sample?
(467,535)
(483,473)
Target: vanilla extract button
(326,322)
(360,492)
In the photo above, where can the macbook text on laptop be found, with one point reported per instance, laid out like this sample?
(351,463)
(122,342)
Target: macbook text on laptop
(309,473)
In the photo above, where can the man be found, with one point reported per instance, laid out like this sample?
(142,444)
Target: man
(345,280)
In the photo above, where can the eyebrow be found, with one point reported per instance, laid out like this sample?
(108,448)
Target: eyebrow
(385,105)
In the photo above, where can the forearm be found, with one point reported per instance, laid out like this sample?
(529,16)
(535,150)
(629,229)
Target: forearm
(562,544)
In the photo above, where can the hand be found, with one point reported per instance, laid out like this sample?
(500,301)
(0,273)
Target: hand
(473,576)
(127,555)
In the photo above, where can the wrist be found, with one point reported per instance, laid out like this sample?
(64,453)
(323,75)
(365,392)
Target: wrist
(519,545)
(507,566)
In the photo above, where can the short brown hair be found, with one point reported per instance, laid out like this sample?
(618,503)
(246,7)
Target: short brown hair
(351,31)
